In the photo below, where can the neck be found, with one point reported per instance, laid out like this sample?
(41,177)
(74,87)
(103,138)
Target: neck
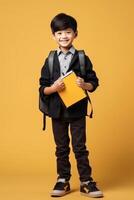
(65,49)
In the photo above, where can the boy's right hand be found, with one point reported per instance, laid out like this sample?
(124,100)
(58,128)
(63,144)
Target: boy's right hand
(58,85)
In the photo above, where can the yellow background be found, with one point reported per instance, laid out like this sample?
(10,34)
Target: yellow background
(106,32)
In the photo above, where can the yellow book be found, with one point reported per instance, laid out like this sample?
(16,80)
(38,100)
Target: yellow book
(72,93)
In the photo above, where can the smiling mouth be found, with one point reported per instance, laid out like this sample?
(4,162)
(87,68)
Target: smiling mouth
(64,40)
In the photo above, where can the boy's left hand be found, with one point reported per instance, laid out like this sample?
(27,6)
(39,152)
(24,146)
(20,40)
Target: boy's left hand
(80,82)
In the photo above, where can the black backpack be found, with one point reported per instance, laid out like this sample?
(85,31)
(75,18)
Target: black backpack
(43,103)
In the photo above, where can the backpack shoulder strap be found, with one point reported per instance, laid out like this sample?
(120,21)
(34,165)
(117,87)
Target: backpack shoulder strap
(50,62)
(81,55)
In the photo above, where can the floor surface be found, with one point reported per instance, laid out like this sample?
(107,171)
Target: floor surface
(39,188)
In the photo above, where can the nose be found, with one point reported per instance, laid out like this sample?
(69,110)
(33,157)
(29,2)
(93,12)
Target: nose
(64,35)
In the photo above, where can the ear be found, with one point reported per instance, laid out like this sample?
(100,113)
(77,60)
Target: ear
(76,34)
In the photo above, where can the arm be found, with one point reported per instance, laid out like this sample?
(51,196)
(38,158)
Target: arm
(45,83)
(90,81)
(57,86)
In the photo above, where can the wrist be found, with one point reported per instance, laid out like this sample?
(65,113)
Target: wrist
(88,86)
(53,88)
(49,90)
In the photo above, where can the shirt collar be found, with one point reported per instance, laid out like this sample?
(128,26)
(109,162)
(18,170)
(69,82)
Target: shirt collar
(71,50)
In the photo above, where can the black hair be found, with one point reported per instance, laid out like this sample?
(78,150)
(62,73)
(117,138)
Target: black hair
(63,21)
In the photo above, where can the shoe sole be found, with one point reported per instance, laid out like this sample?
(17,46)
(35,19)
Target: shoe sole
(92,195)
(60,195)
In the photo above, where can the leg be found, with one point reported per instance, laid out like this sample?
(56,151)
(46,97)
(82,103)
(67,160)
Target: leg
(61,137)
(78,133)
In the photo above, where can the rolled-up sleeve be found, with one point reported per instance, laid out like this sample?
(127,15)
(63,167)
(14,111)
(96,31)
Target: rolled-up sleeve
(44,80)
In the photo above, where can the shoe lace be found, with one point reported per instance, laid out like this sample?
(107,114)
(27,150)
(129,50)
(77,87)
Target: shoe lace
(92,186)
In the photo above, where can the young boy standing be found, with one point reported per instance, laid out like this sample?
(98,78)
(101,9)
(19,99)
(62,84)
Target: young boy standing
(64,30)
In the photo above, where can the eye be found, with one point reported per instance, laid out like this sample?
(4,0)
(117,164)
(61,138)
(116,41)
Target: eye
(68,32)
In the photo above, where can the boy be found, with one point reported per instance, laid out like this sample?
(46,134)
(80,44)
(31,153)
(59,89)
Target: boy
(64,30)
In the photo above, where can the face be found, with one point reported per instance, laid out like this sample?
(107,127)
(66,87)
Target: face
(65,37)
